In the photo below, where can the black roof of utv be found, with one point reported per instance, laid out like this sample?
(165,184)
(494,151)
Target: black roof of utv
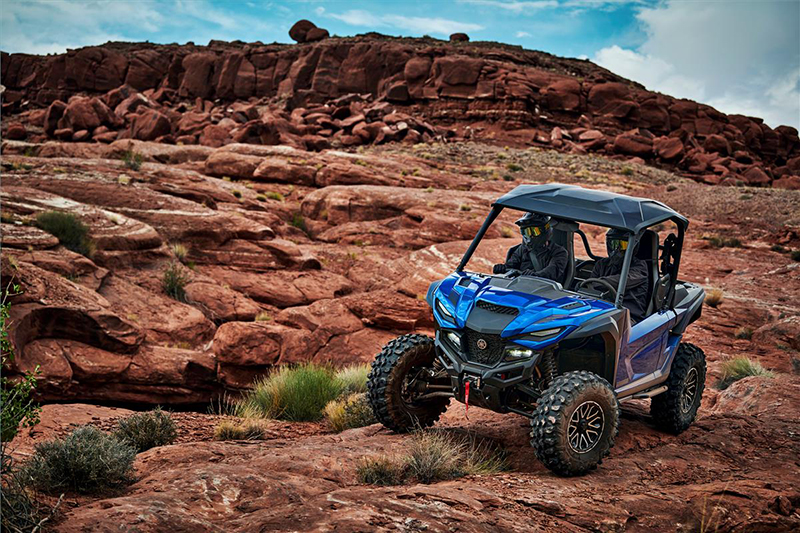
(591,206)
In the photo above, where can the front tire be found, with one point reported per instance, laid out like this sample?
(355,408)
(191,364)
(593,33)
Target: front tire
(676,409)
(575,423)
(387,384)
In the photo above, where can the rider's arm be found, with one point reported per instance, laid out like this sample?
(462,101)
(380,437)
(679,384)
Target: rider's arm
(557,266)
(515,257)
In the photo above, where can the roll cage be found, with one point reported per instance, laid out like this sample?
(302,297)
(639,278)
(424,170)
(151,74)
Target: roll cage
(571,203)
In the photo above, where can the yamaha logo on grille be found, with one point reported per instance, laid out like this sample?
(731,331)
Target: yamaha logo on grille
(481,344)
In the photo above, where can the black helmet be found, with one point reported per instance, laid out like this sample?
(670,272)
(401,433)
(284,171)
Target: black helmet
(536,229)
(616,241)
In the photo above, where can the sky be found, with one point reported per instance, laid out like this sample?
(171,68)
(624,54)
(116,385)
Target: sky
(738,56)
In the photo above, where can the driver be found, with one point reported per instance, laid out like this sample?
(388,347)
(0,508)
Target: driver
(536,256)
(610,268)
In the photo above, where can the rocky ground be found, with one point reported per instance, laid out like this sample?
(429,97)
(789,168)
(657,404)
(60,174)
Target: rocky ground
(334,267)
(309,196)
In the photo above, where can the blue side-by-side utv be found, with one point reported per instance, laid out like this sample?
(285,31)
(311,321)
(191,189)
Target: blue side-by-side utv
(560,353)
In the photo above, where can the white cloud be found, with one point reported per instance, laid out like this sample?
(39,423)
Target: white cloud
(439,26)
(737,57)
(514,6)
(319,11)
(521,34)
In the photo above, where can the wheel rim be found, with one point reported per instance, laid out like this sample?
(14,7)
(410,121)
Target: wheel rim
(689,390)
(585,427)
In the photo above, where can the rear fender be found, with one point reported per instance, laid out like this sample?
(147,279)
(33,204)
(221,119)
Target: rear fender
(689,307)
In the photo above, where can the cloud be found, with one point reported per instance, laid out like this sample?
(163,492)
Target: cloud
(514,6)
(738,57)
(439,26)
(521,34)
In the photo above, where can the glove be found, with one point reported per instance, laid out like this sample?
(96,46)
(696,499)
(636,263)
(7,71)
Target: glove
(529,272)
(500,268)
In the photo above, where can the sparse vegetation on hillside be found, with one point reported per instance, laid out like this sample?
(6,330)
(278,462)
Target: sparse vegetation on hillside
(714,297)
(739,368)
(147,430)
(353,378)
(85,461)
(174,281)
(724,242)
(744,333)
(70,232)
(298,222)
(132,160)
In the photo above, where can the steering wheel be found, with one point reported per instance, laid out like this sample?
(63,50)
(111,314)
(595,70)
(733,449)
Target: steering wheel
(512,273)
(599,281)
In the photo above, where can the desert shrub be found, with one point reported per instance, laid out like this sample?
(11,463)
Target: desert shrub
(147,430)
(778,248)
(464,207)
(513,167)
(347,412)
(507,177)
(724,242)
(261,198)
(672,187)
(70,232)
(626,171)
(380,470)
(714,297)
(274,195)
(224,404)
(132,160)
(738,368)
(174,281)
(353,378)
(246,430)
(263,316)
(85,461)
(18,407)
(236,193)
(180,251)
(21,509)
(795,255)
(298,221)
(744,333)
(436,455)
(291,393)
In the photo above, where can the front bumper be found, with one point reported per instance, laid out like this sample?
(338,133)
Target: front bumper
(489,385)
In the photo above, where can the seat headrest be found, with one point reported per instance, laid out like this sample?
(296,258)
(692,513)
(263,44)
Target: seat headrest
(648,246)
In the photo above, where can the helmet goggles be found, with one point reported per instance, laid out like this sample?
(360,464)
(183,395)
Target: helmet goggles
(615,245)
(534,231)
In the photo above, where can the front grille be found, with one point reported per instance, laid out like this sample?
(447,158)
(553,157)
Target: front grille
(489,354)
(494,308)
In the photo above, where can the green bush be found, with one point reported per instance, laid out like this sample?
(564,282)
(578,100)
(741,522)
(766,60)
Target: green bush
(298,222)
(20,507)
(18,407)
(347,412)
(353,378)
(132,160)
(174,281)
(70,232)
(147,430)
(739,368)
(795,255)
(291,393)
(744,333)
(86,461)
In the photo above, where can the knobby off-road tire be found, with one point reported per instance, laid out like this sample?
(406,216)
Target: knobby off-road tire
(385,383)
(576,403)
(676,409)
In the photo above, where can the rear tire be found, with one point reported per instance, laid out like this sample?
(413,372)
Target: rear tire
(387,378)
(575,423)
(675,410)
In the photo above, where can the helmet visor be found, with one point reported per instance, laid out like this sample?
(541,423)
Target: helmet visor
(617,245)
(534,231)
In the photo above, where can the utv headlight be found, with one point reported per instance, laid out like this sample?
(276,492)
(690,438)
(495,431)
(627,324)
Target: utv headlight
(444,312)
(543,333)
(454,339)
(517,353)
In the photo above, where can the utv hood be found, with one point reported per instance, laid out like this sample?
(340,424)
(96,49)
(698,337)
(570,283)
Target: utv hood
(524,307)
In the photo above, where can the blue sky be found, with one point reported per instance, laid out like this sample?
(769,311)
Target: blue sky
(739,56)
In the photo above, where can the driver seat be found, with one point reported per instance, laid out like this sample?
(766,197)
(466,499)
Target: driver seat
(647,251)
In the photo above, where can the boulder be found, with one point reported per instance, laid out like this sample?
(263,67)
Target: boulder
(633,143)
(149,125)
(16,132)
(563,95)
(459,38)
(668,148)
(300,29)
(718,144)
(316,34)
(756,176)
(53,115)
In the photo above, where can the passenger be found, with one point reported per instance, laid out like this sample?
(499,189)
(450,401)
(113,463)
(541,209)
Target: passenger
(536,255)
(610,268)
